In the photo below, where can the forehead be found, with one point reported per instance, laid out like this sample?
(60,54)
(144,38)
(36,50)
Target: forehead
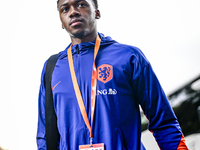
(61,2)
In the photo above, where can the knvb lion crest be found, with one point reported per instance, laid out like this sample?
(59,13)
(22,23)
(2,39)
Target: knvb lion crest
(105,73)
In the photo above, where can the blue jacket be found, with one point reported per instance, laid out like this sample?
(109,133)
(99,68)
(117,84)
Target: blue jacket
(125,81)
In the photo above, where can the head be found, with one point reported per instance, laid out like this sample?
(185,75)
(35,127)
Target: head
(78,17)
(94,1)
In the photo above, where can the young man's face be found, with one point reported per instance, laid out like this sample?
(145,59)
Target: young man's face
(78,17)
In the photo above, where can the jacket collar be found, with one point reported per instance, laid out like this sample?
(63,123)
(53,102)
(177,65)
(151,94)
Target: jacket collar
(86,46)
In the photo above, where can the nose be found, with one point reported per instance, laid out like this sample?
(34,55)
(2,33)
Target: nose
(74,12)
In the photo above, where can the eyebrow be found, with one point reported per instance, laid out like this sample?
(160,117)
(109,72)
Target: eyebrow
(67,3)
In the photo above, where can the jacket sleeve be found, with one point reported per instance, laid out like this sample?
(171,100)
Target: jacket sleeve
(162,120)
(41,131)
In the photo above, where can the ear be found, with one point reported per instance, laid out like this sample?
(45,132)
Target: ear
(63,26)
(97,14)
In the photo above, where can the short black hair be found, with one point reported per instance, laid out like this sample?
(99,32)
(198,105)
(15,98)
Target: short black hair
(94,1)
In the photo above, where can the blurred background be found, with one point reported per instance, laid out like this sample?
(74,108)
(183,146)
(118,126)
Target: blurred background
(30,31)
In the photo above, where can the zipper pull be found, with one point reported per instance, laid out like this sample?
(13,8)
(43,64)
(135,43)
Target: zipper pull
(77,49)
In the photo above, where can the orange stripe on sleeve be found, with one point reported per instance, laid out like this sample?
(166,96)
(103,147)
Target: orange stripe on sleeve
(182,145)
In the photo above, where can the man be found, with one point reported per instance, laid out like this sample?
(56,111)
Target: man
(99,102)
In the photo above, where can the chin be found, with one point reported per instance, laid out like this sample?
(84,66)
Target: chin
(79,34)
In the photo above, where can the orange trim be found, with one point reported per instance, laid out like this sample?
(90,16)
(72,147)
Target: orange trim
(182,145)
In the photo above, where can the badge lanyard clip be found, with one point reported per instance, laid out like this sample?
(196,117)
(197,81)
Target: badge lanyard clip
(93,87)
(91,140)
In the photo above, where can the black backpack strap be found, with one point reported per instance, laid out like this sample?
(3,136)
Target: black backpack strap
(52,135)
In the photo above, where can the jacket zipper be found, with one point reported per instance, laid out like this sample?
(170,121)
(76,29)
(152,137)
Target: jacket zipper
(77,49)
(78,67)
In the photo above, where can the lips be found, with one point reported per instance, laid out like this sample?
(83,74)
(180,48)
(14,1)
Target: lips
(75,22)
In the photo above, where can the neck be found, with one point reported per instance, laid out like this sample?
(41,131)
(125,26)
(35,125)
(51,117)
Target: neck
(87,38)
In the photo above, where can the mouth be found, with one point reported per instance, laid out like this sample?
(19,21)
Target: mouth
(75,22)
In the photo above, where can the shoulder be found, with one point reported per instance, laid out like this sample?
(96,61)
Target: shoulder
(132,53)
(130,49)
(63,54)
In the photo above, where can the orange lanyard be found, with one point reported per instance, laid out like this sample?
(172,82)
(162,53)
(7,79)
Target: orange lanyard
(93,87)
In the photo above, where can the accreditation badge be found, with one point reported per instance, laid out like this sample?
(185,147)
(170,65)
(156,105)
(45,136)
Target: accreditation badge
(92,147)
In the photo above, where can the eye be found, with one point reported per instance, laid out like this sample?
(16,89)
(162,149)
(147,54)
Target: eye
(65,9)
(81,5)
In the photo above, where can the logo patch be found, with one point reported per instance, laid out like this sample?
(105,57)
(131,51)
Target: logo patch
(105,73)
